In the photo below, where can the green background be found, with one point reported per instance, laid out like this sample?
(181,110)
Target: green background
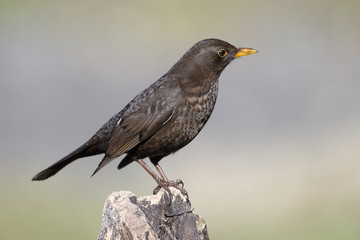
(279,159)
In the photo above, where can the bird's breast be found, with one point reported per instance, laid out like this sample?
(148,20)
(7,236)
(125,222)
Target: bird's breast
(193,112)
(189,117)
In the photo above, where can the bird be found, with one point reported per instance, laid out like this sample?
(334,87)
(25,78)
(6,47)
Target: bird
(164,117)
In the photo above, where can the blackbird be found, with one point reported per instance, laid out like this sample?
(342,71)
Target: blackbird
(164,117)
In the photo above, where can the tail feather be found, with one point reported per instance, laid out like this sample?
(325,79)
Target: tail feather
(97,144)
(103,162)
(83,151)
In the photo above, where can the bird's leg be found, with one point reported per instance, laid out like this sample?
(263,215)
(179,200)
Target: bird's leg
(162,173)
(178,183)
(163,183)
(163,176)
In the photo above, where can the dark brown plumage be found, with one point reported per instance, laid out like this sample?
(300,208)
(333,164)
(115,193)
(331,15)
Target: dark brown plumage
(164,117)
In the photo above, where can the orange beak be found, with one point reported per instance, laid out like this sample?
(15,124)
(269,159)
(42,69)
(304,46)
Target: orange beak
(244,52)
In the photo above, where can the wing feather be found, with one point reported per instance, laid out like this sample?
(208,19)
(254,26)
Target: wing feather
(142,118)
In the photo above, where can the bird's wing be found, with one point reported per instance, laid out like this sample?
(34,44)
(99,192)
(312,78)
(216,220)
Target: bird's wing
(142,118)
(136,128)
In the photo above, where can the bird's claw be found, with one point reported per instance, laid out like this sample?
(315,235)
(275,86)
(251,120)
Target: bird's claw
(178,184)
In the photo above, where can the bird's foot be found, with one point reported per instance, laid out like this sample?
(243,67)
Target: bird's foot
(178,184)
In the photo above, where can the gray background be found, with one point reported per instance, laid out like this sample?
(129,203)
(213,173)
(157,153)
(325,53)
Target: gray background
(279,157)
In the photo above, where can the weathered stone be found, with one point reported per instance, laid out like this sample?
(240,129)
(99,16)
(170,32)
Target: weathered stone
(127,217)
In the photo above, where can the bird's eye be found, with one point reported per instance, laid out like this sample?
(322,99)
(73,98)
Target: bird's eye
(222,53)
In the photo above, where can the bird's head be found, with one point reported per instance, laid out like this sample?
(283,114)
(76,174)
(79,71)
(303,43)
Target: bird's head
(208,58)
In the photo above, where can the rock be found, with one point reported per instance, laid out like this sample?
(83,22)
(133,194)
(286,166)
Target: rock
(127,217)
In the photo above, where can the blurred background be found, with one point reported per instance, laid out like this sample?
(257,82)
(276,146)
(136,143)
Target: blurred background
(279,158)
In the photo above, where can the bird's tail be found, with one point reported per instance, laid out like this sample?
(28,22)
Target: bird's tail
(82,151)
(103,162)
